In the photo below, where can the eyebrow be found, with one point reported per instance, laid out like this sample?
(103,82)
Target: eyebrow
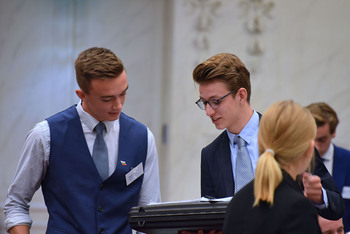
(126,89)
(111,96)
(321,138)
(210,98)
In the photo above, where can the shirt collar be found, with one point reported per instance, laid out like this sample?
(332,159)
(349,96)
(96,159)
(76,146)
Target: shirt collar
(90,122)
(327,156)
(249,130)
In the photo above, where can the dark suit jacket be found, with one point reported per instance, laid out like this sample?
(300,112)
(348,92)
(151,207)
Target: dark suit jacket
(341,176)
(290,213)
(217,176)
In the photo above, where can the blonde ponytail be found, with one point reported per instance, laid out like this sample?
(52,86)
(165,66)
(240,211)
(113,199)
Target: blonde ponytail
(268,176)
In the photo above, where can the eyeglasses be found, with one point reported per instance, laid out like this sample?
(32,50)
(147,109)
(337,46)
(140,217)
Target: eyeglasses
(213,103)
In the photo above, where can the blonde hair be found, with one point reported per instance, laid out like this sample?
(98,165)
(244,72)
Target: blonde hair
(285,132)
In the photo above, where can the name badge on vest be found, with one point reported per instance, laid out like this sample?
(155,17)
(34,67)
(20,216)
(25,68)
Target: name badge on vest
(135,173)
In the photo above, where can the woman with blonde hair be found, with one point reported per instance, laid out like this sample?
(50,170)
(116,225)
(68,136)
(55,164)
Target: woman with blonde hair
(273,202)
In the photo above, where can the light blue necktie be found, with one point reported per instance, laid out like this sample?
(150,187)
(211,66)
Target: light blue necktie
(100,152)
(244,171)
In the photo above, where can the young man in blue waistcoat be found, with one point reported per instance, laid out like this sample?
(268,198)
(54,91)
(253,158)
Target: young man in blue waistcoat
(58,155)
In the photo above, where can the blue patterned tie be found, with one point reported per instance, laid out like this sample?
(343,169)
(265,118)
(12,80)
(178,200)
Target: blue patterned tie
(244,171)
(100,153)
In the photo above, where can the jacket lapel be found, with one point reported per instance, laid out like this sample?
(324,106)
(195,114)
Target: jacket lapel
(338,168)
(224,155)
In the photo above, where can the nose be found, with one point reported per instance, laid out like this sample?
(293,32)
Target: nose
(209,110)
(117,104)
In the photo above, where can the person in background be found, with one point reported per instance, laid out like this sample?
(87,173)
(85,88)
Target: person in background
(335,158)
(273,202)
(92,161)
(224,95)
(331,226)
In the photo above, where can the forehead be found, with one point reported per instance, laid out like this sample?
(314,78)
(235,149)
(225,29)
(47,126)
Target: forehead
(323,130)
(328,225)
(111,86)
(213,88)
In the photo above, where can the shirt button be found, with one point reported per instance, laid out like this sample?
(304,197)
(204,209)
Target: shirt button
(100,208)
(101,231)
(101,186)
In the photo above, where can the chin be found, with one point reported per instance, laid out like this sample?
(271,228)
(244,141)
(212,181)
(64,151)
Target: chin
(219,127)
(113,118)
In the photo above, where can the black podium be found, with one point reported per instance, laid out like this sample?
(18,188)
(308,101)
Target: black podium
(166,218)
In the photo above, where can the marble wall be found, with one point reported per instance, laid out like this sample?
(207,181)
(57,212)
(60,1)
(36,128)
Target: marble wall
(294,49)
(303,56)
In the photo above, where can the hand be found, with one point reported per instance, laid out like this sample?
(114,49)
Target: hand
(313,188)
(19,229)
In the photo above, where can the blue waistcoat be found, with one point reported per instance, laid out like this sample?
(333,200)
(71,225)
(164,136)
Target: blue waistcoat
(78,201)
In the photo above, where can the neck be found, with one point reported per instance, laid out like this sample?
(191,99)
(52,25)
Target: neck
(246,114)
(291,171)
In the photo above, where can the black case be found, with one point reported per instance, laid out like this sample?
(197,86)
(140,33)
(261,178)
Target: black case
(169,218)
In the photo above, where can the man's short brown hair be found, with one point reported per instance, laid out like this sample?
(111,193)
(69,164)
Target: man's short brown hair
(323,114)
(96,63)
(227,68)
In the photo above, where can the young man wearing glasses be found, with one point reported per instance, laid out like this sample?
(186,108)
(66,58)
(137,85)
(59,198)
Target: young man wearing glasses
(224,88)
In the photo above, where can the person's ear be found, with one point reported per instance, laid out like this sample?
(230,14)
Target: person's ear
(333,134)
(242,94)
(80,93)
(310,150)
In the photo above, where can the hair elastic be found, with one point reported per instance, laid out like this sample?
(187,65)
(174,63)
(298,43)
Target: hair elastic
(271,151)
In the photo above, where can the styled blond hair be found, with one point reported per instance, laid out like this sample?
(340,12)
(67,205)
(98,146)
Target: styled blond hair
(285,132)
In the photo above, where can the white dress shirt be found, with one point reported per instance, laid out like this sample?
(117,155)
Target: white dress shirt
(327,158)
(34,162)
